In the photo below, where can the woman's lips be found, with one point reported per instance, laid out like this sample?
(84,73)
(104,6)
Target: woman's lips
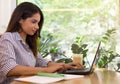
(34,31)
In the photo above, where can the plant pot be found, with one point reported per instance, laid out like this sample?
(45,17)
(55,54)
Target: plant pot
(77,58)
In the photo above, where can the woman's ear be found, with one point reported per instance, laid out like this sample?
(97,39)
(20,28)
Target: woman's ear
(21,21)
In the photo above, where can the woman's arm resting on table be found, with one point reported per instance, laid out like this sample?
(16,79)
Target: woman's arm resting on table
(27,70)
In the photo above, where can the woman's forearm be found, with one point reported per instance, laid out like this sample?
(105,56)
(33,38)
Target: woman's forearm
(25,70)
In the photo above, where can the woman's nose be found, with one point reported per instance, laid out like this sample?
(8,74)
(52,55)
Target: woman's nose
(37,26)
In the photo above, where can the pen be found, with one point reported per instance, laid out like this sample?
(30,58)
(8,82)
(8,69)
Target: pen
(49,74)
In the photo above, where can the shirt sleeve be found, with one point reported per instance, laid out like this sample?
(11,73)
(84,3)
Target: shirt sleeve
(7,58)
(41,62)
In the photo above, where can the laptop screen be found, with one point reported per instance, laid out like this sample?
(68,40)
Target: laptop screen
(93,56)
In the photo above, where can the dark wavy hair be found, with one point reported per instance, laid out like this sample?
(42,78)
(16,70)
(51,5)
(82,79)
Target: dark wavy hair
(24,11)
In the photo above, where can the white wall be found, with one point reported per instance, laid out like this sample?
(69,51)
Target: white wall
(6,9)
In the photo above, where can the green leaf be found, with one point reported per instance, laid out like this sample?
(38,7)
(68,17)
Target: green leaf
(79,51)
(75,48)
(118,65)
(106,38)
(84,46)
(61,60)
(65,60)
(68,60)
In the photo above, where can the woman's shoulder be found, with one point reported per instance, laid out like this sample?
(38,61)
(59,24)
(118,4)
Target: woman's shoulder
(8,36)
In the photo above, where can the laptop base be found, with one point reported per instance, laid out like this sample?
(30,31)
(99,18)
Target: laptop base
(79,72)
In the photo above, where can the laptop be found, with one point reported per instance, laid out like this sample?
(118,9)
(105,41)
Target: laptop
(89,70)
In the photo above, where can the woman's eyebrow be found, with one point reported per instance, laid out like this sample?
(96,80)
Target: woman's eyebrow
(35,20)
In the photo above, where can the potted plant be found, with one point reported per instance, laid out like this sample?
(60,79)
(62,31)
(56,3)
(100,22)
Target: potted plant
(79,48)
(107,57)
(108,54)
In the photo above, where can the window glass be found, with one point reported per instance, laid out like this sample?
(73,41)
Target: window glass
(68,19)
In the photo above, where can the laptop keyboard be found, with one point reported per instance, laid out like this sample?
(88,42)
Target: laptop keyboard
(78,70)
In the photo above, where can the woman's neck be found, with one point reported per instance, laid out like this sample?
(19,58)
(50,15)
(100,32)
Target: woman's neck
(23,35)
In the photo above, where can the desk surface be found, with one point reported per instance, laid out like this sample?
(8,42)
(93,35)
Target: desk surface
(99,76)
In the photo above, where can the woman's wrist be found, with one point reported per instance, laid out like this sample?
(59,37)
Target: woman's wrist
(50,63)
(67,66)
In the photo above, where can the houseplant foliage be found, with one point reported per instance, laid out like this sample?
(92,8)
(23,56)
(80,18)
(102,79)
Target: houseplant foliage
(78,47)
(44,44)
(47,47)
(108,54)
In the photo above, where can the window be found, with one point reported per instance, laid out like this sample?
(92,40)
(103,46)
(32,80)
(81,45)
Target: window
(6,10)
(67,19)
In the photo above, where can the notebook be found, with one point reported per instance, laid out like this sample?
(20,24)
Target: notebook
(89,70)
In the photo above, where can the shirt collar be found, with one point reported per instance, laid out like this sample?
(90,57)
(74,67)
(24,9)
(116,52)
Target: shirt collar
(17,36)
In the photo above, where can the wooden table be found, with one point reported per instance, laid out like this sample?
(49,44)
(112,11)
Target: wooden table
(99,76)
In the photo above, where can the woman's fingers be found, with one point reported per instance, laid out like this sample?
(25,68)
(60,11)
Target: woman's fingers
(75,65)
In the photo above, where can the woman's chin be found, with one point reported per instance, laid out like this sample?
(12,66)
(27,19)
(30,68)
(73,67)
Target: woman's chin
(31,34)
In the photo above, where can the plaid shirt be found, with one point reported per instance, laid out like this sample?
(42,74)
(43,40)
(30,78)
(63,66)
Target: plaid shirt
(14,51)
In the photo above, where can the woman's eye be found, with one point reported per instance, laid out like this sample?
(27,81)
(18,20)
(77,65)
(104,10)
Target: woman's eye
(33,21)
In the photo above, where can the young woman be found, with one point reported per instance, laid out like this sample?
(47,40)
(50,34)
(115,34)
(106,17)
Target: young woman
(18,46)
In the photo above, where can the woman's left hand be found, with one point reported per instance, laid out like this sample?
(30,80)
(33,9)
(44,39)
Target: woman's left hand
(74,65)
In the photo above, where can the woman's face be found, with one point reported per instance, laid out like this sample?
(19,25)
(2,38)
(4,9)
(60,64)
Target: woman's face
(30,25)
